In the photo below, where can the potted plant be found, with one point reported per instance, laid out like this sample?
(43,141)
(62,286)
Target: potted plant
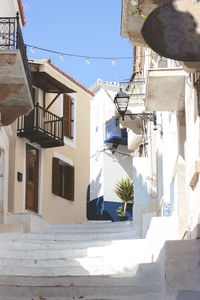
(124,190)
(121,214)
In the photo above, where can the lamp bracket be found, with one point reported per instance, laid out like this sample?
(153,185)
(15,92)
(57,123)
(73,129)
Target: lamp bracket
(142,116)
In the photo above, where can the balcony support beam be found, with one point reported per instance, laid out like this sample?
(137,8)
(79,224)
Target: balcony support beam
(53,101)
(44,99)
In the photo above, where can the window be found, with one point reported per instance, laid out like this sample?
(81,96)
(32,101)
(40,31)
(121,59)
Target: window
(68,113)
(62,179)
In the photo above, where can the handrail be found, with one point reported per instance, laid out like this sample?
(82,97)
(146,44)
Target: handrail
(42,121)
(134,88)
(47,111)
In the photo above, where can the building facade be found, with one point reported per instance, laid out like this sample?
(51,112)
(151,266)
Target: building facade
(172,91)
(110,159)
(15,86)
(49,152)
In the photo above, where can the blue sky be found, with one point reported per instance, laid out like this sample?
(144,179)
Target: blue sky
(89,27)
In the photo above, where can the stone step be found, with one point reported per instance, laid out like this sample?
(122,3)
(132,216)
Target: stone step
(110,229)
(92,224)
(20,244)
(86,261)
(145,292)
(140,249)
(153,296)
(105,252)
(112,226)
(151,272)
(16,270)
(81,267)
(71,236)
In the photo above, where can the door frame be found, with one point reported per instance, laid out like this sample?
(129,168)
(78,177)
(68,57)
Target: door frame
(32,185)
(40,181)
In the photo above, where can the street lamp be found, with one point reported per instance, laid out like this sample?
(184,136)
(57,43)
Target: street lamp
(121,101)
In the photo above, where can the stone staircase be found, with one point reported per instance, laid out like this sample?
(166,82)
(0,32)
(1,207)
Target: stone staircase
(92,261)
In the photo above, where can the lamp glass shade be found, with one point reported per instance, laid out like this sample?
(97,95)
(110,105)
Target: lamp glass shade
(121,102)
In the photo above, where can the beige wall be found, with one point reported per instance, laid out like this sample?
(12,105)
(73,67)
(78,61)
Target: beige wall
(55,209)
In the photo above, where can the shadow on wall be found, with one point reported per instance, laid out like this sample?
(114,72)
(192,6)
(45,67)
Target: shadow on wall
(94,187)
(159,158)
(143,203)
(124,161)
(141,191)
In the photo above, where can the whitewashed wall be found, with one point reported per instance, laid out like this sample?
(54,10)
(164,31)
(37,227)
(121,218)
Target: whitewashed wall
(169,150)
(192,152)
(116,167)
(8,8)
(141,176)
(4,164)
(105,168)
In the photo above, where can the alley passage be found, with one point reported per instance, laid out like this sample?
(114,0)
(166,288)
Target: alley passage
(85,261)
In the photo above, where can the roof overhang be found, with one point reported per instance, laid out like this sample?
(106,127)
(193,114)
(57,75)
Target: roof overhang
(49,84)
(165,90)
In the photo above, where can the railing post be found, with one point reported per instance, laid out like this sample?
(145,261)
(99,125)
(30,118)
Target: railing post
(62,129)
(37,116)
(17,31)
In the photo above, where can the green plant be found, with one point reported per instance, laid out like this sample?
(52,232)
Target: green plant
(137,11)
(124,190)
(120,211)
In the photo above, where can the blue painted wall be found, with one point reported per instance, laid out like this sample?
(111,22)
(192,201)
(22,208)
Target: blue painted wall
(98,209)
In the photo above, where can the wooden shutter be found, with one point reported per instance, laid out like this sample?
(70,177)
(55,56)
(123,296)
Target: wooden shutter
(67,115)
(55,176)
(69,182)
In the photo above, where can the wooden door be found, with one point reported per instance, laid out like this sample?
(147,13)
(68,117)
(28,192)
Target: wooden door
(32,166)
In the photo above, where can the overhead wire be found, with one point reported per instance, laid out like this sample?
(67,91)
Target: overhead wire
(87,57)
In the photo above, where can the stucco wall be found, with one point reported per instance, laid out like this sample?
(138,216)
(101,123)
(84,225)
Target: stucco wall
(106,167)
(8,8)
(141,175)
(116,167)
(55,209)
(192,149)
(4,170)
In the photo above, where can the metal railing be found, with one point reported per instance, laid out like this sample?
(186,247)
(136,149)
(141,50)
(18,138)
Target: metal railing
(39,121)
(11,38)
(135,88)
(113,130)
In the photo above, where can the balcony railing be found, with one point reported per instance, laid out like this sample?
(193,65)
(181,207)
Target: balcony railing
(136,88)
(42,127)
(11,38)
(114,134)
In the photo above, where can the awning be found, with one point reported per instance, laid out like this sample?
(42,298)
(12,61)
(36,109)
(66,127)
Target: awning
(48,83)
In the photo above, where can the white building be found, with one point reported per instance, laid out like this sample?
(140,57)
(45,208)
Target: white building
(110,160)
(15,92)
(172,90)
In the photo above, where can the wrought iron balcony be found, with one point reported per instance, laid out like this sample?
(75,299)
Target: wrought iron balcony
(42,127)
(114,134)
(136,88)
(11,38)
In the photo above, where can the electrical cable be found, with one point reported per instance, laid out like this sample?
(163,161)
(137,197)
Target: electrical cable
(87,57)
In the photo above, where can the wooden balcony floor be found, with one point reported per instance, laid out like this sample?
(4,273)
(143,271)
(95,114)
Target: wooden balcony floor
(44,139)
